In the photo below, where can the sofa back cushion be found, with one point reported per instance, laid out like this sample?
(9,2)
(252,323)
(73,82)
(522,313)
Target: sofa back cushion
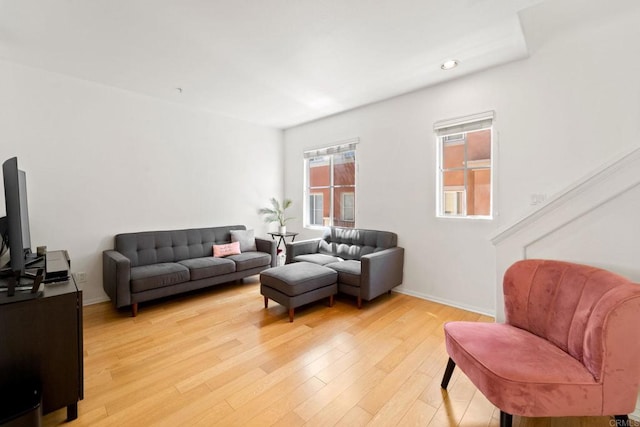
(353,243)
(152,247)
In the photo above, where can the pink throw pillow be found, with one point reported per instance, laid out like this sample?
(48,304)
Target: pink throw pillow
(220,251)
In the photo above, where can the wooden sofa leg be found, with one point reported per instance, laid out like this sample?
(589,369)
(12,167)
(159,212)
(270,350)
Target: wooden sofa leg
(447,373)
(359,302)
(134,309)
(291,314)
(505,419)
(622,420)
(266,302)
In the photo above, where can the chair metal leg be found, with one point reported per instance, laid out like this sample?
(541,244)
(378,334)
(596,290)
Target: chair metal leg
(505,419)
(622,420)
(447,373)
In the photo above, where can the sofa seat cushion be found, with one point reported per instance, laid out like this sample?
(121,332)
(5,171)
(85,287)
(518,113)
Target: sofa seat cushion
(156,276)
(348,271)
(320,259)
(522,373)
(201,268)
(249,260)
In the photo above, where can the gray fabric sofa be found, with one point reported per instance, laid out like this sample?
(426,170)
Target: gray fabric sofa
(153,264)
(369,262)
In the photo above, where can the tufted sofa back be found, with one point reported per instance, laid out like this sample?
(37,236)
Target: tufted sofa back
(578,308)
(353,243)
(152,247)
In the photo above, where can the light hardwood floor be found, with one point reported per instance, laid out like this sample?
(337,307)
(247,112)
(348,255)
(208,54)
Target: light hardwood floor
(217,357)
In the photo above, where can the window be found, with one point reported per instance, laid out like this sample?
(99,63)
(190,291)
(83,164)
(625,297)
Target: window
(330,186)
(454,201)
(465,166)
(348,212)
(316,209)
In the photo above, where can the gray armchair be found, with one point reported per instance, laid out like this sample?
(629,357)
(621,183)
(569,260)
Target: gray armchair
(369,262)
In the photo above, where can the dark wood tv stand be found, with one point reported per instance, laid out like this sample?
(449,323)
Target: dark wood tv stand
(42,343)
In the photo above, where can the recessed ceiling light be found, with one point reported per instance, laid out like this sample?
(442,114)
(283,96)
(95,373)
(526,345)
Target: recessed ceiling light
(449,64)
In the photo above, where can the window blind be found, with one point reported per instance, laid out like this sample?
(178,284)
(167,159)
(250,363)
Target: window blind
(349,145)
(464,124)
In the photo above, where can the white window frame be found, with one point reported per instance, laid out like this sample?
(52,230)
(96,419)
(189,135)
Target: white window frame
(449,129)
(330,151)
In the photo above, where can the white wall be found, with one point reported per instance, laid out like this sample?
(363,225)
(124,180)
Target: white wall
(592,222)
(101,161)
(602,242)
(559,114)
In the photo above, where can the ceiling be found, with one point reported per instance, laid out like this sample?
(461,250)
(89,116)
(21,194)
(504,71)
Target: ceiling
(277,63)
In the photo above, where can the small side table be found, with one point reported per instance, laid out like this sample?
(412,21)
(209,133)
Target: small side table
(282,238)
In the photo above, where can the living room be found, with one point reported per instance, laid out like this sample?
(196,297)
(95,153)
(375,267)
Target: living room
(103,159)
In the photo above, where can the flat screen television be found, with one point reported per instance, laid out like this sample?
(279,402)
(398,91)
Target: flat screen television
(17,235)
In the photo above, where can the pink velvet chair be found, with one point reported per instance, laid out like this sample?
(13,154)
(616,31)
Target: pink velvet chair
(570,345)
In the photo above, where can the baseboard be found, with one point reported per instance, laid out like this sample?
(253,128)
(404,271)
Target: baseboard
(96,300)
(446,302)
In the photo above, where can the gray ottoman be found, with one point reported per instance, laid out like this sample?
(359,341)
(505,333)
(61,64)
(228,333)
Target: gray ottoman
(297,284)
